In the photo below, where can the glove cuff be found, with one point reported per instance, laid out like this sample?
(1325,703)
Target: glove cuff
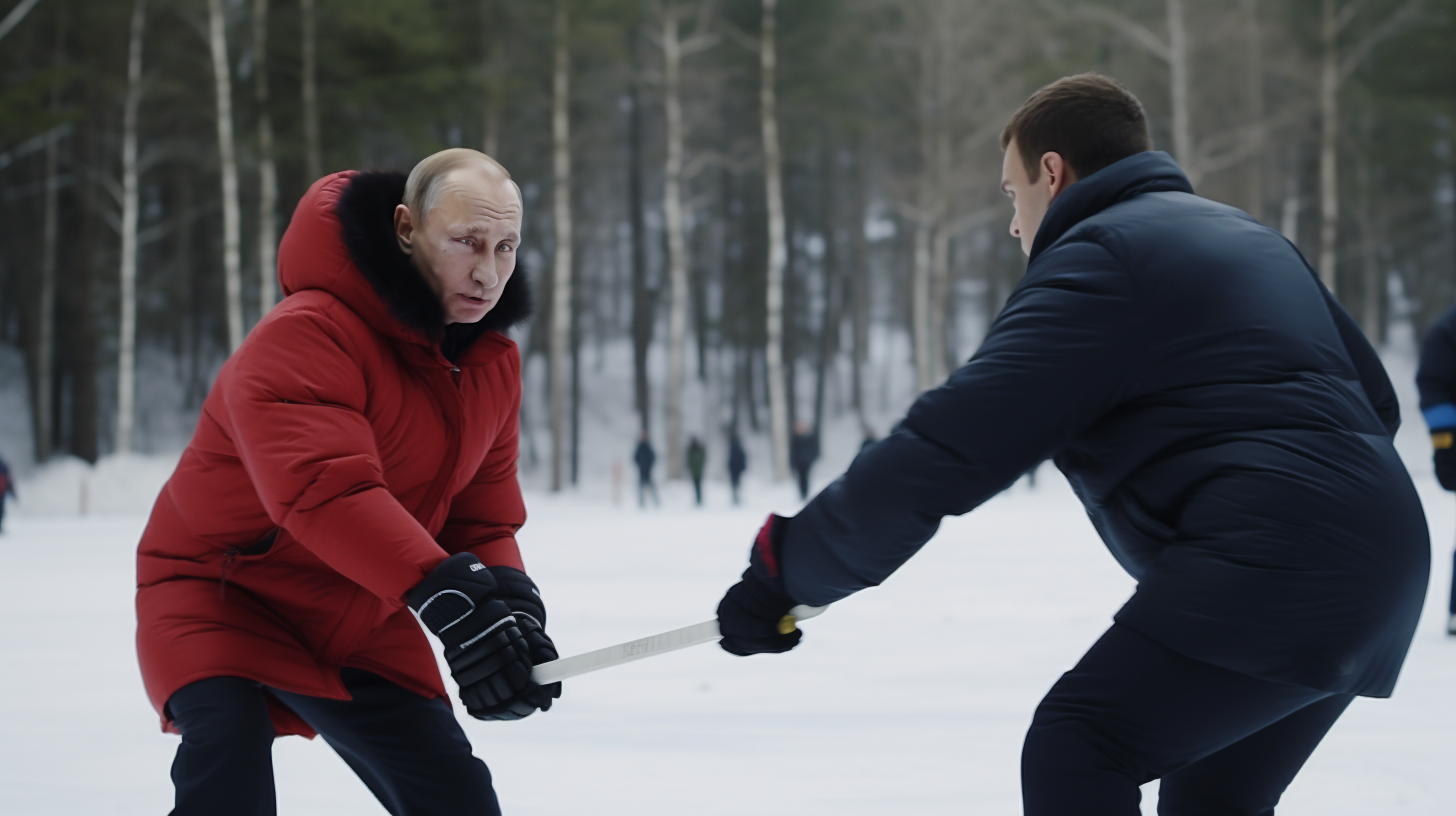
(765,559)
(451,592)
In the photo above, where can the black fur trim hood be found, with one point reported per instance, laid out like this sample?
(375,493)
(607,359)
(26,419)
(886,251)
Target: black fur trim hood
(366,210)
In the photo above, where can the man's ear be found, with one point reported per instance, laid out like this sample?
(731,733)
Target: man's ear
(404,228)
(1059,175)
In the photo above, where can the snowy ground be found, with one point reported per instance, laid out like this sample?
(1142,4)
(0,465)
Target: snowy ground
(911,698)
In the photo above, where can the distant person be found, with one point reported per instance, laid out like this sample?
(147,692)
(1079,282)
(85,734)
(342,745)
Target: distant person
(7,488)
(1436,380)
(803,452)
(737,463)
(697,461)
(355,465)
(1230,433)
(645,457)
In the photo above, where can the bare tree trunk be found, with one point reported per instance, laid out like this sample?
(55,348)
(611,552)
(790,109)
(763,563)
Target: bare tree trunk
(45,347)
(1329,125)
(1289,212)
(490,69)
(1372,311)
(1178,80)
(228,164)
(920,304)
(561,263)
(1254,38)
(860,286)
(677,264)
(642,296)
(312,149)
(778,254)
(130,210)
(267,173)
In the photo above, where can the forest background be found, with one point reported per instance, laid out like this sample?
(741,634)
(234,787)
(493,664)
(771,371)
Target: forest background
(740,215)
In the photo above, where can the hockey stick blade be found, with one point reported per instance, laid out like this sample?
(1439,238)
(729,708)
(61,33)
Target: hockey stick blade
(704,632)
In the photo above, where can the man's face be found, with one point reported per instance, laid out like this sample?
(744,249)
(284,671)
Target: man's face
(1031,199)
(466,248)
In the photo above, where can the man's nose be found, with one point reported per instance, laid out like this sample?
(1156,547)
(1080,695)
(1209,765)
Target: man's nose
(486,274)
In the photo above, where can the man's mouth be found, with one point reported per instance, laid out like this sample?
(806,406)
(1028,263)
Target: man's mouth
(478,301)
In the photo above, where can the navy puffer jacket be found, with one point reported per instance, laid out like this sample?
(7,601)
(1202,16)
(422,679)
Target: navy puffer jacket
(1219,414)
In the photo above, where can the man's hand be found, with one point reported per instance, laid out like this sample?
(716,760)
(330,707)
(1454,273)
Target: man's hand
(750,615)
(519,593)
(1441,440)
(488,654)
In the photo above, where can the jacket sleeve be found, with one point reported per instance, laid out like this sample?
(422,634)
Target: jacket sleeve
(295,399)
(485,516)
(1436,376)
(1373,379)
(1057,359)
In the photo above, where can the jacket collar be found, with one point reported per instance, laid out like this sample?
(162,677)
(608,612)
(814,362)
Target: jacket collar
(1150,172)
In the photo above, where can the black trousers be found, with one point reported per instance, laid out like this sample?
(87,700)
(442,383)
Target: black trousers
(408,750)
(1223,743)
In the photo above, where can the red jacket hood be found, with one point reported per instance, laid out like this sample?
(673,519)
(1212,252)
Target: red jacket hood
(341,241)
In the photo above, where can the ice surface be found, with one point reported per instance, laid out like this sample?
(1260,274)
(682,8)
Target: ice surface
(910,698)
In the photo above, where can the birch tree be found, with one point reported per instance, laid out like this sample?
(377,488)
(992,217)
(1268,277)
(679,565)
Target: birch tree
(228,167)
(674,49)
(130,211)
(313,153)
(1337,65)
(561,317)
(778,252)
(267,172)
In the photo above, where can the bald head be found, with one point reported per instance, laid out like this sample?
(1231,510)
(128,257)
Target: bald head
(427,182)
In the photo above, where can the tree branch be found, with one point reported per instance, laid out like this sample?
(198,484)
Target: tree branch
(1379,34)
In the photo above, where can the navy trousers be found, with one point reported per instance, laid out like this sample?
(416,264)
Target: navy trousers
(410,751)
(1133,710)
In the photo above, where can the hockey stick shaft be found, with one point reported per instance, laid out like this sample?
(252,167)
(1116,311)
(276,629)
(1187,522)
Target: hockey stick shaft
(651,646)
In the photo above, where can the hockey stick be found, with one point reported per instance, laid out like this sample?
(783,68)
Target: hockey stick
(650,646)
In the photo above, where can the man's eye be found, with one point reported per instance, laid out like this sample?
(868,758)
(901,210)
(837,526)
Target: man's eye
(505,247)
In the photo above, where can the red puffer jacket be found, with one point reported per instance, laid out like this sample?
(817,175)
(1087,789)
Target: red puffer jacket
(340,456)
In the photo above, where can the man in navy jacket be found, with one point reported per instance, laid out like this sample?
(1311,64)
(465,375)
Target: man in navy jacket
(1229,431)
(1436,379)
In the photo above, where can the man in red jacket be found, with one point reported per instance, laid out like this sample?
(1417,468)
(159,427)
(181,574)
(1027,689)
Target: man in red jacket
(356,459)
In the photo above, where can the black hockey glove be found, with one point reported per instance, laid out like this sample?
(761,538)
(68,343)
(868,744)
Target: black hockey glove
(751,615)
(1441,440)
(488,655)
(518,592)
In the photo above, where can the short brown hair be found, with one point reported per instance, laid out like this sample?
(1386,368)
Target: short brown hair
(1089,119)
(422,190)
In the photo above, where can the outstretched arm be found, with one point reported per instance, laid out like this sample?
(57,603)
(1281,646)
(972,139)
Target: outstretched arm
(1055,361)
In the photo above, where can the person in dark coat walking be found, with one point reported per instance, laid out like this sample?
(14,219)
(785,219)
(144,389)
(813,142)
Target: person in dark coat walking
(7,488)
(803,452)
(737,463)
(355,466)
(1230,433)
(697,457)
(1436,380)
(645,457)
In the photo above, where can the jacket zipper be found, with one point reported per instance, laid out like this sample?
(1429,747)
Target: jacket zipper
(227,562)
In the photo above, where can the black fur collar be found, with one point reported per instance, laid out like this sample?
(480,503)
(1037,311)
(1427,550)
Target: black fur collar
(366,210)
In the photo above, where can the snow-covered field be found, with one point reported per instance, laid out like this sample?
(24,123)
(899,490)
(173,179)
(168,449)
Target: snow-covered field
(911,698)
